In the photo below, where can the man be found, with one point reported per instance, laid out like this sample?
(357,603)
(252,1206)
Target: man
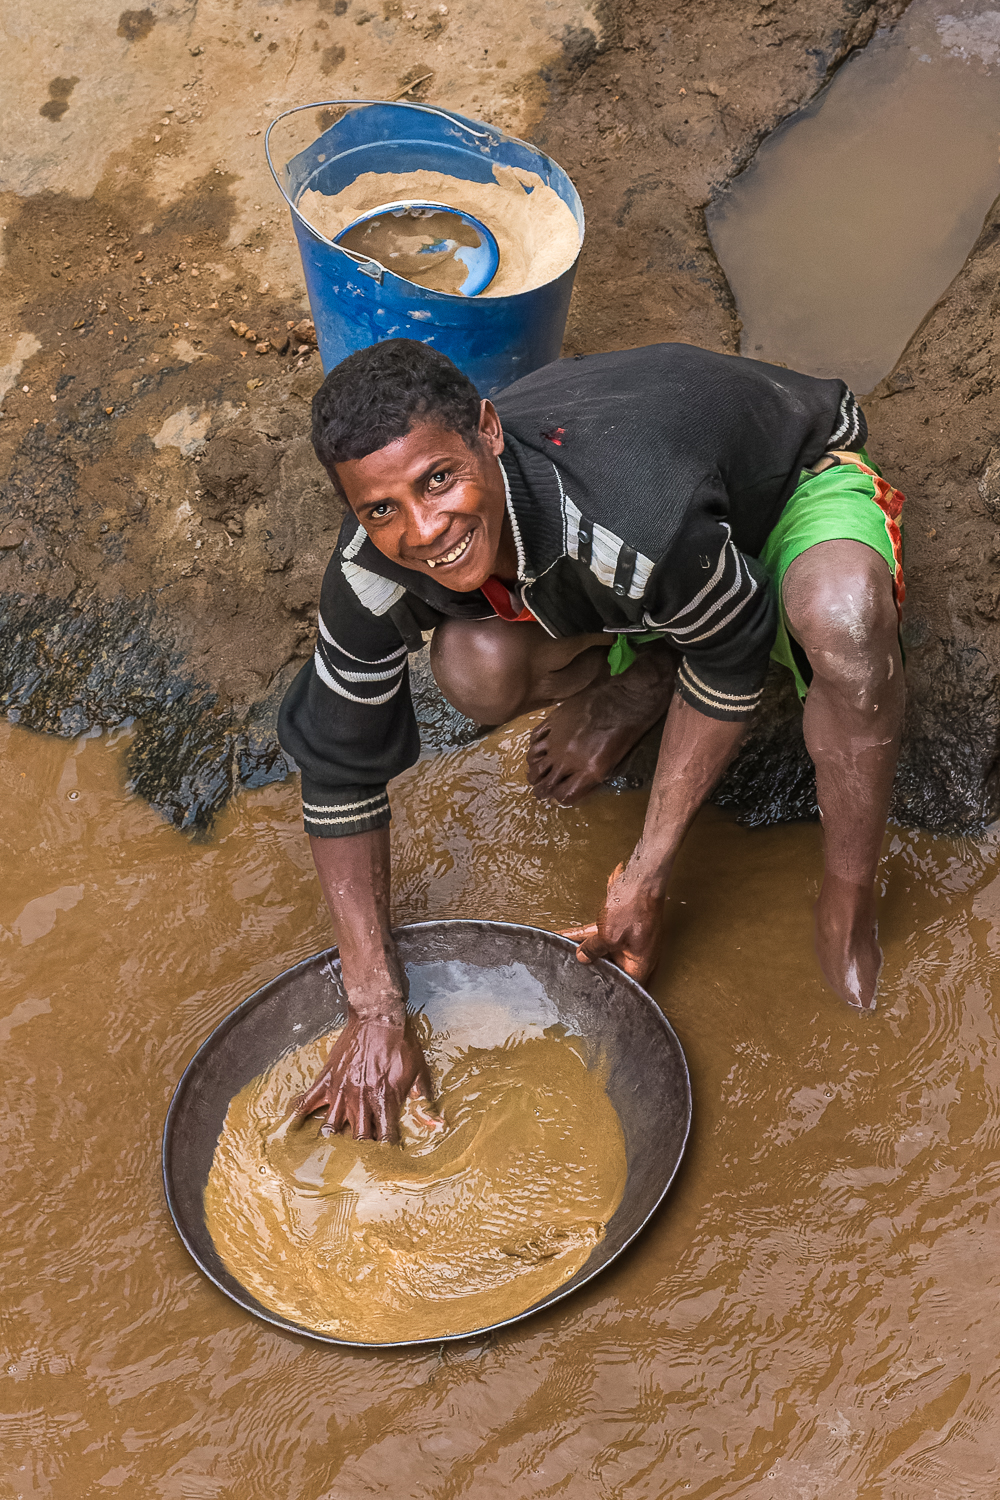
(698,513)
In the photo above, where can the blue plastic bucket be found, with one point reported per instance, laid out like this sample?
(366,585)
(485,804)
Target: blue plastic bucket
(356,302)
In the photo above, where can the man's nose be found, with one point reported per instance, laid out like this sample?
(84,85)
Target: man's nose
(425,525)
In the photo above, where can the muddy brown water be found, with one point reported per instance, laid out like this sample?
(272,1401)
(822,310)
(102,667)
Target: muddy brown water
(423,249)
(856,214)
(814,1312)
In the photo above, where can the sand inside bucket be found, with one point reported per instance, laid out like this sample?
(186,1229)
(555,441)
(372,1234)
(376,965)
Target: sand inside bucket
(536,233)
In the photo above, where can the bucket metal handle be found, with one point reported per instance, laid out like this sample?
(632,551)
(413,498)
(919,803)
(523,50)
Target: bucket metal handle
(364,264)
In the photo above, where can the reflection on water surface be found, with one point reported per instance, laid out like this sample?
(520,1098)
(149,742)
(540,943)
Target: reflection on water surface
(814,1314)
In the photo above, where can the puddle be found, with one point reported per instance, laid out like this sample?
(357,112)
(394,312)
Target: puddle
(856,214)
(813,1315)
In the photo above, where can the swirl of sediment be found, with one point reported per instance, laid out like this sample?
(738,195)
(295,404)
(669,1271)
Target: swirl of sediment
(460,1229)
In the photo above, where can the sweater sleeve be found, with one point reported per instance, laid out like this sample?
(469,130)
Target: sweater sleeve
(347,720)
(718,607)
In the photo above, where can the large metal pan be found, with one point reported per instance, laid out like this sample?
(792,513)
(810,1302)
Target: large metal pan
(625,1031)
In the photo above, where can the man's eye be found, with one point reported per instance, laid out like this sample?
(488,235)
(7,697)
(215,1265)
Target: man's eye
(380,510)
(438,478)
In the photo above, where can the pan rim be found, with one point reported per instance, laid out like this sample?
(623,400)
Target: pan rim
(249,1304)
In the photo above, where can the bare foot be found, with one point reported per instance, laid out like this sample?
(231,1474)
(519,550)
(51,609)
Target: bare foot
(846,942)
(583,738)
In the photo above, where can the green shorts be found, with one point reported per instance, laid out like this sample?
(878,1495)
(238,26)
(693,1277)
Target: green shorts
(849,502)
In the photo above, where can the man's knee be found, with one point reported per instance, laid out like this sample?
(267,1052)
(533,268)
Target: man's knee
(846,621)
(481,668)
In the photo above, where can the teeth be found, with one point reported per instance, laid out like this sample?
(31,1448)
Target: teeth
(451,556)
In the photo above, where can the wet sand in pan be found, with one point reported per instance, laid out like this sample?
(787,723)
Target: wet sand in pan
(462,1228)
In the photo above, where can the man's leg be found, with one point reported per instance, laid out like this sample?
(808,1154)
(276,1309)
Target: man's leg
(839,603)
(494,672)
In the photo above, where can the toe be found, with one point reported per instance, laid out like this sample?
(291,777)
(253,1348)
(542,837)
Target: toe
(537,753)
(543,786)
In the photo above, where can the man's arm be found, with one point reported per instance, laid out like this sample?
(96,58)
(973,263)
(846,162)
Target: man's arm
(716,606)
(375,1062)
(694,752)
(348,723)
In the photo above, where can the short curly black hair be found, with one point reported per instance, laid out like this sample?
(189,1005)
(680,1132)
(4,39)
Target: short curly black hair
(377,394)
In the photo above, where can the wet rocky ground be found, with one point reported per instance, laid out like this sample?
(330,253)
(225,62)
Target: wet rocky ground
(164,523)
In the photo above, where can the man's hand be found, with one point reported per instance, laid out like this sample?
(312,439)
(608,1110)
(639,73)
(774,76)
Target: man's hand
(374,1065)
(694,752)
(376,1061)
(629,930)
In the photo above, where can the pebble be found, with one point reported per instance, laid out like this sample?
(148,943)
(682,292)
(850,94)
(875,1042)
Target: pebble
(13,535)
(305,332)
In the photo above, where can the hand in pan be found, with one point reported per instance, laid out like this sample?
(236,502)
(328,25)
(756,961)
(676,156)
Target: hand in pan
(372,1068)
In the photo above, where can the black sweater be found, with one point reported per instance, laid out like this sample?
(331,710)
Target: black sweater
(641,487)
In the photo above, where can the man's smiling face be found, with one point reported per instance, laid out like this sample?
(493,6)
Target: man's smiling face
(432,504)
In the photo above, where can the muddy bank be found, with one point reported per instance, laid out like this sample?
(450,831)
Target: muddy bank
(936,422)
(165,524)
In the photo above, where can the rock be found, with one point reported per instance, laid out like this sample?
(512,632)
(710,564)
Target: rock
(305,333)
(13,534)
(989,484)
(899,380)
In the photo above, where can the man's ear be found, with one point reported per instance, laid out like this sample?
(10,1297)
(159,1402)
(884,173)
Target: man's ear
(490,430)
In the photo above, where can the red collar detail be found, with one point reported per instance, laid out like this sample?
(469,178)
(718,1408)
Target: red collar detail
(502,601)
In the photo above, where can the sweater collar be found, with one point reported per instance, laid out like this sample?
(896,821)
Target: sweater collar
(522,575)
(531,485)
